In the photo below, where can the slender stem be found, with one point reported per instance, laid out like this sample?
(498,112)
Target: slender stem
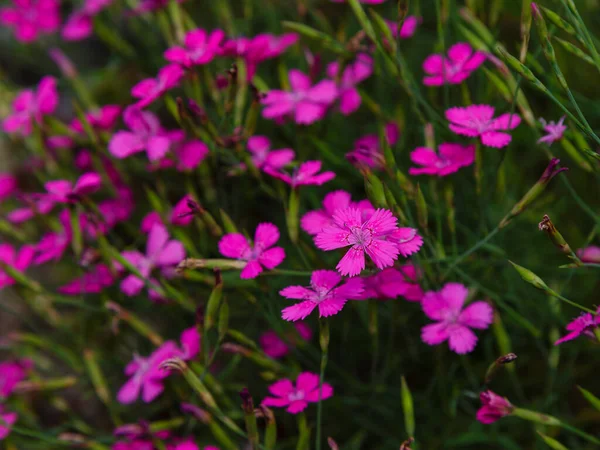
(472,250)
(324,341)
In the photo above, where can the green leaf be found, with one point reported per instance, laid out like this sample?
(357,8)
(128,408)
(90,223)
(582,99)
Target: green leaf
(591,398)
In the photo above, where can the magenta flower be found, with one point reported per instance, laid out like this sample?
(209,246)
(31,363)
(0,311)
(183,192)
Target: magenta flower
(31,106)
(315,221)
(190,154)
(478,121)
(200,48)
(323,293)
(262,254)
(455,69)
(8,185)
(305,103)
(31,18)
(391,283)
(408,240)
(52,246)
(353,74)
(40,206)
(275,347)
(584,325)
(493,407)
(448,160)
(306,174)
(79,24)
(161,253)
(366,2)
(296,399)
(147,376)
(554,131)
(180,215)
(7,420)
(19,260)
(93,282)
(102,119)
(367,151)
(151,89)
(146,134)
(409,27)
(11,374)
(63,191)
(263,156)
(368,236)
(453,322)
(589,254)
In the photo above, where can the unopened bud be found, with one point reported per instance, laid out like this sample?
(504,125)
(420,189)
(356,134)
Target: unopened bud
(491,372)
(332,444)
(558,240)
(406,444)
(63,62)
(531,277)
(247,402)
(199,413)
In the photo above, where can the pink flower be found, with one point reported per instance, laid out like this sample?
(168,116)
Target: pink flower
(275,347)
(478,121)
(147,376)
(368,236)
(31,106)
(150,220)
(305,103)
(52,246)
(151,89)
(180,214)
(200,48)
(11,374)
(367,151)
(101,119)
(391,283)
(161,253)
(146,134)
(353,74)
(493,407)
(7,420)
(555,131)
(408,27)
(450,158)
(63,191)
(190,154)
(8,185)
(366,2)
(584,325)
(235,245)
(41,206)
(263,156)
(93,282)
(307,173)
(589,254)
(408,240)
(314,221)
(455,69)
(454,322)
(79,24)
(30,18)
(19,260)
(323,293)
(307,390)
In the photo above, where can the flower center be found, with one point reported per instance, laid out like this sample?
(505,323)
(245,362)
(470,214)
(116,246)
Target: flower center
(296,396)
(360,237)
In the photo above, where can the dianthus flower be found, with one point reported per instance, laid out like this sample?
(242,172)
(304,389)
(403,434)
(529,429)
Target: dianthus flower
(306,174)
(64,191)
(8,185)
(261,254)
(584,325)
(101,119)
(325,293)
(7,420)
(19,260)
(93,282)
(161,253)
(478,121)
(275,347)
(314,221)
(36,205)
(589,254)
(453,322)
(305,103)
(151,89)
(454,69)
(199,48)
(391,283)
(367,149)
(554,131)
(449,158)
(146,134)
(353,74)
(11,373)
(30,18)
(31,106)
(368,236)
(79,25)
(147,376)
(263,156)
(493,407)
(408,27)
(296,398)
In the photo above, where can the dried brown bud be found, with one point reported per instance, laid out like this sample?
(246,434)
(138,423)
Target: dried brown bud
(177,364)
(406,444)
(247,403)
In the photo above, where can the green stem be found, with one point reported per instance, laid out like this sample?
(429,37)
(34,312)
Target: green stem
(324,341)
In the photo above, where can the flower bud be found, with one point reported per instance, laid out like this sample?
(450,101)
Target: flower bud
(558,240)
(506,359)
(531,277)
(493,407)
